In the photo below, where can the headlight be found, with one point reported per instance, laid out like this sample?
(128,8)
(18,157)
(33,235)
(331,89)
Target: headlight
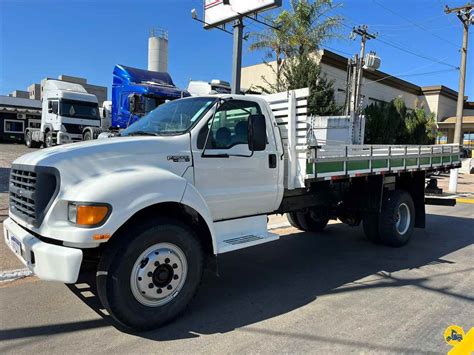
(88,214)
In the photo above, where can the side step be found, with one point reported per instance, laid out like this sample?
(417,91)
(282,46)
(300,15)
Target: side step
(242,233)
(245,242)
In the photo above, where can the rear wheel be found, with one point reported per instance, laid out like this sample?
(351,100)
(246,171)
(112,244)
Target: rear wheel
(148,276)
(397,219)
(312,220)
(293,219)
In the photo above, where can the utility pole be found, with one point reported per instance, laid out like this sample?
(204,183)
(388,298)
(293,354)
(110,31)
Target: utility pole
(237,56)
(361,31)
(465,15)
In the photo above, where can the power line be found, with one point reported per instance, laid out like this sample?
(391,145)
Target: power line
(415,53)
(407,25)
(407,75)
(401,48)
(414,23)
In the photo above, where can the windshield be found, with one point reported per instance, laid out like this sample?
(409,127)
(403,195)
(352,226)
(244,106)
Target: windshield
(79,109)
(151,102)
(175,117)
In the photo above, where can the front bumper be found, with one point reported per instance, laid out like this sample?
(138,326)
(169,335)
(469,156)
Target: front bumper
(47,261)
(64,138)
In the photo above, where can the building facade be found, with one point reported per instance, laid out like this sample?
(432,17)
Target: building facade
(16,114)
(377,87)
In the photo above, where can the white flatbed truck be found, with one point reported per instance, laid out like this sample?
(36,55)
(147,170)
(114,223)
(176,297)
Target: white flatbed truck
(195,178)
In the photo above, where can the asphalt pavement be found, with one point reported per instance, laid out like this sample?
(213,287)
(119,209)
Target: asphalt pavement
(332,292)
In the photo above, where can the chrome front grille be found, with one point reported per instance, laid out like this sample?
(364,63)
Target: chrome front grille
(22,192)
(32,189)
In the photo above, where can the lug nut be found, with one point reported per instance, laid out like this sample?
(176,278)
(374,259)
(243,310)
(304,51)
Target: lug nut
(151,285)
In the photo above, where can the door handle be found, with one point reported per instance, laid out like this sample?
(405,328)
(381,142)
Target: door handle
(272,161)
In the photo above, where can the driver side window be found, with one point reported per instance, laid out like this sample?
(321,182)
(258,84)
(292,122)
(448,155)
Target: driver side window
(230,125)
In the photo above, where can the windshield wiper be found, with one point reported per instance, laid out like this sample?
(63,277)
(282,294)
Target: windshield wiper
(142,133)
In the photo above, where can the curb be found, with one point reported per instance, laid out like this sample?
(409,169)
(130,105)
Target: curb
(10,275)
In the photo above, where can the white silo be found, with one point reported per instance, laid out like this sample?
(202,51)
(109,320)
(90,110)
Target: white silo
(158,50)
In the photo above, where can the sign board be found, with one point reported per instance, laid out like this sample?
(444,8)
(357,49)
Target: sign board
(217,13)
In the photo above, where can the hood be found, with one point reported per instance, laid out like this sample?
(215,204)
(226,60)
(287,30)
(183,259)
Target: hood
(105,156)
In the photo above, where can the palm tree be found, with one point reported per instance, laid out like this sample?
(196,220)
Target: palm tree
(301,30)
(274,43)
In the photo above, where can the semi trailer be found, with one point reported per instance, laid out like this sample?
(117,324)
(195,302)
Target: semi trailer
(66,109)
(196,178)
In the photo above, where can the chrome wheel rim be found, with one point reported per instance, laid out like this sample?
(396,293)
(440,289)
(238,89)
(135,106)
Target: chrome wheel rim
(403,219)
(49,141)
(158,274)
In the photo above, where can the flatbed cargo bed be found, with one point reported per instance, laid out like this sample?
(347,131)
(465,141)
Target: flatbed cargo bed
(333,161)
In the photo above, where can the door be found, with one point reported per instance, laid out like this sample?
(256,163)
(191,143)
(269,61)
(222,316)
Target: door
(233,181)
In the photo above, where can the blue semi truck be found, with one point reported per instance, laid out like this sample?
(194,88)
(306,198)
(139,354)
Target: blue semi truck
(135,92)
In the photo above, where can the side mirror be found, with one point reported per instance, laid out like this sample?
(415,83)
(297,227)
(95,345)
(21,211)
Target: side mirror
(50,107)
(257,133)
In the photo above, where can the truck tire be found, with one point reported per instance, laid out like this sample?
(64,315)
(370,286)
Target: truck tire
(312,220)
(29,142)
(87,136)
(48,139)
(293,219)
(148,275)
(397,219)
(370,224)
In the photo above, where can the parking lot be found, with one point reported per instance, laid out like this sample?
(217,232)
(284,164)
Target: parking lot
(329,292)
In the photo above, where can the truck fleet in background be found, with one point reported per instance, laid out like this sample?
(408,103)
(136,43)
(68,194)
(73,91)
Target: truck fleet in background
(71,114)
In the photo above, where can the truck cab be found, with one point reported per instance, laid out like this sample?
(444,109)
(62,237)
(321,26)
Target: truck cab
(66,109)
(135,92)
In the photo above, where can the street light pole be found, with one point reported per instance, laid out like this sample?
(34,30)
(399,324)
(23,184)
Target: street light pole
(237,56)
(464,13)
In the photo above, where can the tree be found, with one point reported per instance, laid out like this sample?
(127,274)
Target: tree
(295,32)
(393,123)
(302,71)
(421,127)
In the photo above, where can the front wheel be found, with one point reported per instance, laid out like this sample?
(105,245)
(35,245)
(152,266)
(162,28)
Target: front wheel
(48,139)
(87,136)
(147,278)
(28,139)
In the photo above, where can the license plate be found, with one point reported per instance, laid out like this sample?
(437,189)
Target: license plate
(15,244)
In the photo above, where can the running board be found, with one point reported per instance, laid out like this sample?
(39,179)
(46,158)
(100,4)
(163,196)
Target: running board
(242,233)
(245,242)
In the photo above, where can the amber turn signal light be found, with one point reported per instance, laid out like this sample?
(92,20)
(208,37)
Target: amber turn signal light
(87,215)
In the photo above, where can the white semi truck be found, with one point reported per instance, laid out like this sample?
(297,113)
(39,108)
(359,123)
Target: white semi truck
(67,109)
(195,178)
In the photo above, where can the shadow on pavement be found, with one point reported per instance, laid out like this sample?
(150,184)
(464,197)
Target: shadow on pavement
(266,281)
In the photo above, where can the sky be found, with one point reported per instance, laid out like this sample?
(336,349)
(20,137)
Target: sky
(86,38)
